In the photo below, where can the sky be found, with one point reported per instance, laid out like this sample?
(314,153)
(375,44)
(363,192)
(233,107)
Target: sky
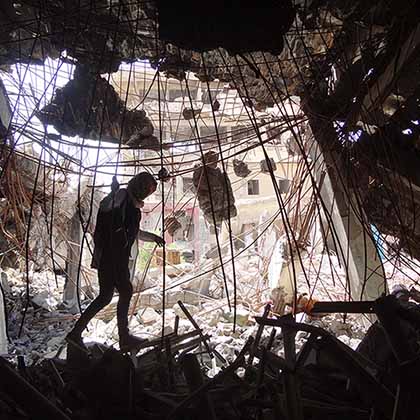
(31,87)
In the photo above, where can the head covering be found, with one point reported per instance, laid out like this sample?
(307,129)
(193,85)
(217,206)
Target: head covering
(139,186)
(210,159)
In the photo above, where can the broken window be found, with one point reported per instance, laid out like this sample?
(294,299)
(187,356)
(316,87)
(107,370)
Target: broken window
(284,185)
(187,184)
(254,187)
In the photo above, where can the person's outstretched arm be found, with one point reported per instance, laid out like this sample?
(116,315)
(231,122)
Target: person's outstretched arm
(150,237)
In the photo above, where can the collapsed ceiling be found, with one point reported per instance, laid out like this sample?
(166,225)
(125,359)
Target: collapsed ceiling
(341,78)
(355,64)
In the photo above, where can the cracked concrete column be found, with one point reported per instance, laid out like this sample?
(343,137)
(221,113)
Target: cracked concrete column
(341,218)
(5,118)
(352,236)
(344,218)
(73,257)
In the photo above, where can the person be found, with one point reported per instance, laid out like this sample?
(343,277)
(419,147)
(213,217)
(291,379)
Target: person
(117,227)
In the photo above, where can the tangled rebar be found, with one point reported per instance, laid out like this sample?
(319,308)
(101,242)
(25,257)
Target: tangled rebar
(91,91)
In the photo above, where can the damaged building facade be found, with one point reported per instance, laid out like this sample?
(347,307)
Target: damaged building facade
(283,138)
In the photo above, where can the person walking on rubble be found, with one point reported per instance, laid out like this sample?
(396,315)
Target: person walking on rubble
(117,227)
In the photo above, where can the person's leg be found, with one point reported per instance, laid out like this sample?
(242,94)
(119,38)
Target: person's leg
(106,291)
(125,290)
(128,342)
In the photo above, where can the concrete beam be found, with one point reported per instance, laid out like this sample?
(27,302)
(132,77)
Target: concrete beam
(73,258)
(5,119)
(351,233)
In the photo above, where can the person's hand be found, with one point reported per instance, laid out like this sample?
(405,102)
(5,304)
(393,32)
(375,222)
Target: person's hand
(159,241)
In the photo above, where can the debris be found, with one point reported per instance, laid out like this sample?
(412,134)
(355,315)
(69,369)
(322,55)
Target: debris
(214,190)
(163,175)
(189,114)
(140,141)
(173,257)
(45,300)
(242,316)
(172,225)
(26,396)
(215,106)
(177,375)
(268,168)
(193,310)
(88,106)
(148,316)
(240,168)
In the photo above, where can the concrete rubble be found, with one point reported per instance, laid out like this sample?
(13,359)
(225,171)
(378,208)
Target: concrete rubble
(240,168)
(79,109)
(46,325)
(201,329)
(45,322)
(252,372)
(214,190)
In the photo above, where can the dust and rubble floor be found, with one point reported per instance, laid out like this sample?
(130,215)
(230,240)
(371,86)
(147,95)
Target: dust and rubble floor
(203,365)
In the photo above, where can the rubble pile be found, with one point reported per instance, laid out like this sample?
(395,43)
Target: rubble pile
(183,376)
(46,323)
(214,190)
(267,166)
(262,367)
(44,327)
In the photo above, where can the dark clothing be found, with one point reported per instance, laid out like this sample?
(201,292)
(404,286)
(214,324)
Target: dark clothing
(116,230)
(117,227)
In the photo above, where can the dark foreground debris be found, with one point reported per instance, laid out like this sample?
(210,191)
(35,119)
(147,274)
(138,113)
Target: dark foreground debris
(173,379)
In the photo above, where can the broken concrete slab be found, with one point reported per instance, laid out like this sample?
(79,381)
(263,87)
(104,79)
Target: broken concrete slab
(89,107)
(242,316)
(148,316)
(192,309)
(45,300)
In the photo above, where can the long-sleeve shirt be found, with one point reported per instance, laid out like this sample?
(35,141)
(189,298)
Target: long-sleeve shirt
(117,227)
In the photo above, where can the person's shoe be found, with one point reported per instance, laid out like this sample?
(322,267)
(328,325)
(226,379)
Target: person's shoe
(129,342)
(76,341)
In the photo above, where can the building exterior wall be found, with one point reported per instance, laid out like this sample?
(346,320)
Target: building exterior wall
(234,130)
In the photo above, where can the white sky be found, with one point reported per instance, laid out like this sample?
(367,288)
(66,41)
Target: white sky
(31,87)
